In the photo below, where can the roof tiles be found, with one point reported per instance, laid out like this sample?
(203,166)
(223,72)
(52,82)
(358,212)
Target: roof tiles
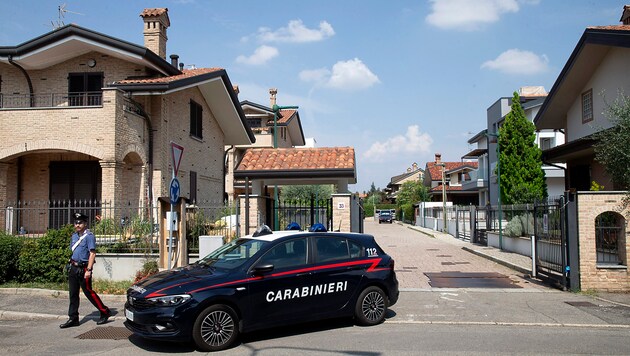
(186,73)
(284,159)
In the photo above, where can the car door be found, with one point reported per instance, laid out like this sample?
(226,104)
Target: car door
(338,271)
(280,294)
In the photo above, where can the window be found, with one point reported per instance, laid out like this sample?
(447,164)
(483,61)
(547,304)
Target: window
(287,254)
(254,123)
(587,106)
(193,186)
(336,248)
(85,89)
(546,143)
(195,119)
(608,235)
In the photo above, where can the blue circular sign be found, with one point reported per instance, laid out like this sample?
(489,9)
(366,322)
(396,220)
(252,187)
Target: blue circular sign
(174,191)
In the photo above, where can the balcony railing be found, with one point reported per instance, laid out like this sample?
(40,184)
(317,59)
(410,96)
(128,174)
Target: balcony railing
(50,100)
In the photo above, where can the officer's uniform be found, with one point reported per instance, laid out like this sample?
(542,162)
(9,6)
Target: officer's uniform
(77,278)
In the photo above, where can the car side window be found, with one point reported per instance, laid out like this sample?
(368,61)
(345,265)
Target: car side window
(335,248)
(286,254)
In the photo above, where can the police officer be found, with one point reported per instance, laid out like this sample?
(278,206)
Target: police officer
(83,246)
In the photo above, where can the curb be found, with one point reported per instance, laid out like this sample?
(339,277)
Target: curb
(13,315)
(499,261)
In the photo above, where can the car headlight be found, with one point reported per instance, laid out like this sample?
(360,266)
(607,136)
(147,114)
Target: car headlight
(169,300)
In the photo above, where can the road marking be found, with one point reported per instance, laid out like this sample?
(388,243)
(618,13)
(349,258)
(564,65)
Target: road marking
(502,323)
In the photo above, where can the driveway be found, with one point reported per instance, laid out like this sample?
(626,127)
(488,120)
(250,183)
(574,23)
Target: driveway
(417,254)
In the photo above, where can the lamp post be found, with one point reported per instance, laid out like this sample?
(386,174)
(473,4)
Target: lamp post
(499,184)
(276,109)
(443,165)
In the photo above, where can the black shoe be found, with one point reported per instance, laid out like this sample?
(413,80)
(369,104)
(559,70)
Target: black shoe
(104,318)
(70,323)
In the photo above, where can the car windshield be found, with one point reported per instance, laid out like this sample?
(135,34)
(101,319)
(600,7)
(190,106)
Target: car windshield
(384,214)
(233,254)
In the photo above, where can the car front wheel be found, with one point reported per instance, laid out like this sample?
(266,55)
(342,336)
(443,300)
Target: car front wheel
(371,306)
(216,328)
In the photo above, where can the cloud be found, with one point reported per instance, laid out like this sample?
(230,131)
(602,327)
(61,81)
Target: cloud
(261,55)
(296,32)
(413,142)
(516,61)
(469,15)
(352,74)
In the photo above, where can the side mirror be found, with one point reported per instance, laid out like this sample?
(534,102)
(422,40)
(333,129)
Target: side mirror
(262,269)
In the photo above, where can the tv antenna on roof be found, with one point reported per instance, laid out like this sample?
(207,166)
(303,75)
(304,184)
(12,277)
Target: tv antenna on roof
(61,15)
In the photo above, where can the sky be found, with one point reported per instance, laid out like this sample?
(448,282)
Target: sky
(397,80)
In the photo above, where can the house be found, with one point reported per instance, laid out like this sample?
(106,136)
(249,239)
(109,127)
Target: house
(85,116)
(595,73)
(281,131)
(446,179)
(413,174)
(484,180)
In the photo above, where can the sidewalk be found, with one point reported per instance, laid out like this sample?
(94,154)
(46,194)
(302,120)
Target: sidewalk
(514,261)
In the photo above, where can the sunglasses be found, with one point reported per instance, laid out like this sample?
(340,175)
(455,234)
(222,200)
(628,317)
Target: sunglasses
(79,222)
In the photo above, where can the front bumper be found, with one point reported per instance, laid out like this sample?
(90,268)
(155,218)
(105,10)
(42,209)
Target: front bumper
(164,323)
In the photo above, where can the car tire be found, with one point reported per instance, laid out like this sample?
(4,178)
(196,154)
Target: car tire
(216,328)
(371,306)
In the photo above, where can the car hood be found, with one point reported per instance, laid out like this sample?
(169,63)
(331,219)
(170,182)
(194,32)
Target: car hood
(178,281)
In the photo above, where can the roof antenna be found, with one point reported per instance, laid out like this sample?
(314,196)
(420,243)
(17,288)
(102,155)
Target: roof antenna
(61,15)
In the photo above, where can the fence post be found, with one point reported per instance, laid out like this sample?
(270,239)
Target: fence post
(533,240)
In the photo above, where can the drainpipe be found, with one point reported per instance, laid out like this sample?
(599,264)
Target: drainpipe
(28,80)
(225,168)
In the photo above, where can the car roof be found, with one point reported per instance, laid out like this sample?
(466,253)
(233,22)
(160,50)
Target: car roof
(275,235)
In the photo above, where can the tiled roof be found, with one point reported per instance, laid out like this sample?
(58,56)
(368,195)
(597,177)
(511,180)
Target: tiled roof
(435,172)
(153,12)
(611,27)
(284,159)
(286,115)
(449,188)
(186,73)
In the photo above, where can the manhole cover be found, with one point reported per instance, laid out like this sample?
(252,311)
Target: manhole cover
(107,333)
(581,304)
(456,279)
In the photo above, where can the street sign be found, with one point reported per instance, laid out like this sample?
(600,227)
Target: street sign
(174,190)
(177,152)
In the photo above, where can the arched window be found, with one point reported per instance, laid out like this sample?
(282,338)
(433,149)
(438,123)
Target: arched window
(609,230)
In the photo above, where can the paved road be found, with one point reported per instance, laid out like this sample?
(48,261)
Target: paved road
(417,253)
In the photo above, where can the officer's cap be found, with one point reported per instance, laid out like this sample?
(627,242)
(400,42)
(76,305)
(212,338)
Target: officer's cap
(80,217)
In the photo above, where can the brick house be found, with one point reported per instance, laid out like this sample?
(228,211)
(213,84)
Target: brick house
(595,73)
(87,116)
(261,121)
(413,174)
(455,174)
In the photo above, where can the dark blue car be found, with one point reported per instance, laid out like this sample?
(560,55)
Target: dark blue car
(264,280)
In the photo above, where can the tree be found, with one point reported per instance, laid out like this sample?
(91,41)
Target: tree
(611,147)
(305,192)
(522,176)
(411,192)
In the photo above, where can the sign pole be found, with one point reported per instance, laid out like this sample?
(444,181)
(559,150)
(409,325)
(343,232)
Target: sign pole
(176,153)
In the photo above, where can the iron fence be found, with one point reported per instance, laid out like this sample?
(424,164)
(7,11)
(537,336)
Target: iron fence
(304,212)
(22,101)
(210,220)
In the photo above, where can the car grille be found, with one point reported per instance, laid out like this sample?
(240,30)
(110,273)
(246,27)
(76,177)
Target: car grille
(139,303)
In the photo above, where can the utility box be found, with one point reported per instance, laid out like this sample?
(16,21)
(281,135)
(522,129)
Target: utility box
(209,243)
(173,224)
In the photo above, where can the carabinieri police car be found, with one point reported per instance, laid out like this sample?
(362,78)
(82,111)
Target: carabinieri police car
(265,280)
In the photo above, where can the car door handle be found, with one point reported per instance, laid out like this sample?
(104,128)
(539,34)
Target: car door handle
(303,274)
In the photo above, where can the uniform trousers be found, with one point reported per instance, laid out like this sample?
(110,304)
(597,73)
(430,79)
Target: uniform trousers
(76,280)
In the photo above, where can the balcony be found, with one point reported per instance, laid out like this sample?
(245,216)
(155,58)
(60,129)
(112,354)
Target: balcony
(477,180)
(50,100)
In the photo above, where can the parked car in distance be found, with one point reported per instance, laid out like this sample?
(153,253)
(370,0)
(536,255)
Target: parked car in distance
(264,280)
(384,217)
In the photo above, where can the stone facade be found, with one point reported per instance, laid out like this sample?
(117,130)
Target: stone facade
(594,275)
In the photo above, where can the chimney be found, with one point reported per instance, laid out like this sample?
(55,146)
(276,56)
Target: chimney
(438,158)
(414,166)
(174,59)
(625,16)
(155,24)
(272,99)
(236,89)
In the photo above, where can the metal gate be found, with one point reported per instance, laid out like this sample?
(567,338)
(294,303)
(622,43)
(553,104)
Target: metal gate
(304,212)
(482,224)
(463,222)
(550,230)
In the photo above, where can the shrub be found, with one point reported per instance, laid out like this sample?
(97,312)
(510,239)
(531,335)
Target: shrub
(43,259)
(150,267)
(10,247)
(520,225)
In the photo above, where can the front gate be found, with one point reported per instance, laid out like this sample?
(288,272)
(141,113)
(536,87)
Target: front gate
(304,212)
(550,229)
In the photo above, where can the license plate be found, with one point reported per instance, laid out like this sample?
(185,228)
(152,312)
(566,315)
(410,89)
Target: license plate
(129,314)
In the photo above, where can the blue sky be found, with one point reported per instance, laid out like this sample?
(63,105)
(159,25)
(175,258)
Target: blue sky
(397,80)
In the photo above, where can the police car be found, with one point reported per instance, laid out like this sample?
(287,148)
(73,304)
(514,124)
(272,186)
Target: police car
(265,280)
